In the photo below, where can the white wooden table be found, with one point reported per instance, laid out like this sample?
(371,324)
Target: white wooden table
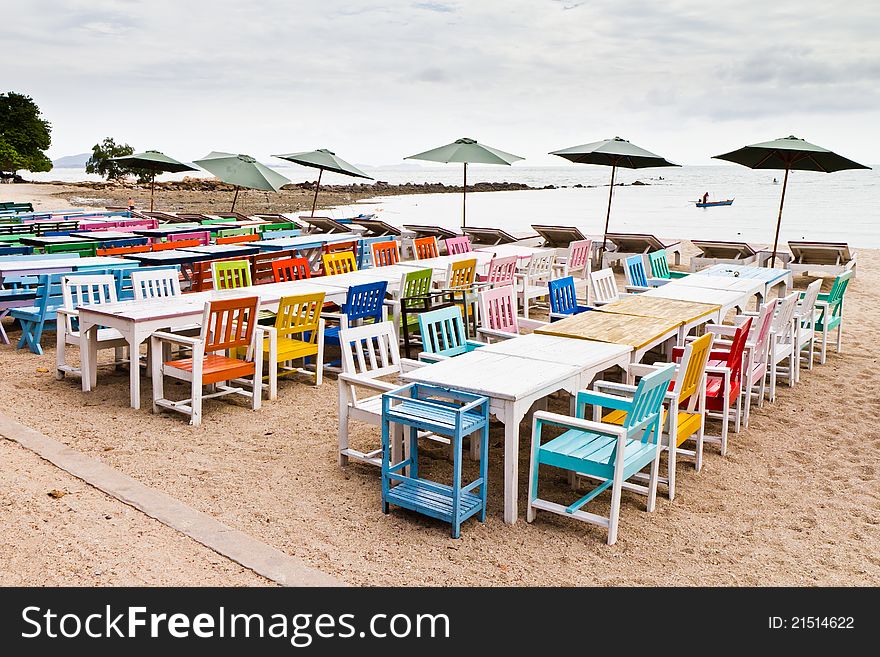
(770,277)
(505,250)
(137,320)
(727,299)
(515,374)
(441,263)
(749,286)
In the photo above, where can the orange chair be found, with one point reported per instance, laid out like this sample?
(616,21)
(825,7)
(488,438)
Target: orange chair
(123,250)
(229,330)
(179,244)
(385,253)
(290,269)
(426,247)
(236,239)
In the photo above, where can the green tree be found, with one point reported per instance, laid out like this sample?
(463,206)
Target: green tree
(101,163)
(24,134)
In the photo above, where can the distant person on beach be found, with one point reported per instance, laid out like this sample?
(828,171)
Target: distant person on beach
(706,197)
(130,204)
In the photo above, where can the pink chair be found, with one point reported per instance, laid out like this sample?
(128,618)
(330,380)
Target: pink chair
(203,236)
(456,245)
(498,315)
(100,225)
(138,223)
(501,271)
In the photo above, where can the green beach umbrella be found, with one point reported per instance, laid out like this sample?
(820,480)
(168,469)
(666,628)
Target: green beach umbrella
(242,171)
(612,153)
(323,160)
(154,162)
(788,153)
(466,151)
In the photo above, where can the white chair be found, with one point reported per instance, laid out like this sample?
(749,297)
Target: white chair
(805,326)
(532,283)
(155,284)
(605,287)
(782,343)
(78,291)
(498,316)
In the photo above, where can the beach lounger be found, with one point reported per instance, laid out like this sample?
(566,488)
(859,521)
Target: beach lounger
(630,244)
(431,231)
(494,236)
(559,237)
(713,252)
(830,258)
(326,225)
(377,227)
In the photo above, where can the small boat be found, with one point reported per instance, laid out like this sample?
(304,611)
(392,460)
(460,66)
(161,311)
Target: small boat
(712,204)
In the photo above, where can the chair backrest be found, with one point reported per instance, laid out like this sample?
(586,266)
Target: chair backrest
(659,264)
(385,253)
(647,401)
(734,355)
(238,239)
(784,318)
(234,232)
(416,283)
(456,245)
(497,307)
(88,290)
(808,302)
(290,269)
(155,283)
(203,236)
(563,295)
(231,274)
(340,262)
(426,247)
(604,286)
(98,225)
(280,234)
(261,265)
(635,271)
(86,249)
(336,247)
(578,255)
(16,250)
(761,332)
(692,368)
(835,296)
(370,351)
(540,267)
(501,270)
(122,250)
(299,314)
(461,274)
(443,331)
(365,301)
(229,324)
(273,227)
(178,244)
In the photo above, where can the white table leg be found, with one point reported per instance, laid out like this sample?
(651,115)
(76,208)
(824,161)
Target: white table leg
(511,463)
(134,369)
(88,356)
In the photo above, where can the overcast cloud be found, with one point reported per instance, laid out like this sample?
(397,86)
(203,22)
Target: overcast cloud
(377,81)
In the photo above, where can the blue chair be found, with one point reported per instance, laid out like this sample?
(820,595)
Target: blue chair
(636,278)
(563,299)
(608,452)
(365,252)
(443,335)
(442,412)
(128,241)
(16,250)
(278,234)
(364,304)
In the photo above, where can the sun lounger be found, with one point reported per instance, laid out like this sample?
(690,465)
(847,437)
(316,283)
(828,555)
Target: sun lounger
(830,258)
(377,227)
(559,237)
(325,225)
(714,252)
(494,236)
(630,244)
(431,231)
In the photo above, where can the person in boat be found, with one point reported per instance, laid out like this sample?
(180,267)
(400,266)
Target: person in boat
(706,197)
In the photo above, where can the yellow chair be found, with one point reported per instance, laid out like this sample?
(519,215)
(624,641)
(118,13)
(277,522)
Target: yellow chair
(340,262)
(685,401)
(460,277)
(298,333)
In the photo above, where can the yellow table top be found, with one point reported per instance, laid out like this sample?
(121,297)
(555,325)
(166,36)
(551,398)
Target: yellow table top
(671,309)
(632,330)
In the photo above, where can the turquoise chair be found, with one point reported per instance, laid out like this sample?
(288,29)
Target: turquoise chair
(830,307)
(636,278)
(443,335)
(609,453)
(660,266)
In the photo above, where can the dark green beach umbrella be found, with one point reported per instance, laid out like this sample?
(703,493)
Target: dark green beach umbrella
(242,171)
(323,160)
(789,153)
(154,162)
(466,151)
(612,153)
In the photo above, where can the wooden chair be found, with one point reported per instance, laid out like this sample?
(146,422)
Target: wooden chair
(290,269)
(444,335)
(577,259)
(228,328)
(805,325)
(341,262)
(685,403)
(234,232)
(369,354)
(238,239)
(660,267)
(155,283)
(460,278)
(337,247)
(364,304)
(177,244)
(78,291)
(636,278)
(532,284)
(261,265)
(456,245)
(85,250)
(203,237)
(298,334)
(605,287)
(426,247)
(501,271)
(563,299)
(231,274)
(608,452)
(33,318)
(414,296)
(782,343)
(830,307)
(385,253)
(123,250)
(498,316)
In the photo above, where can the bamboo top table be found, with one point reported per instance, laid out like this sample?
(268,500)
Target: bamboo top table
(640,333)
(689,313)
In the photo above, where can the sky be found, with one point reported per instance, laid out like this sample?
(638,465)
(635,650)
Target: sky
(377,81)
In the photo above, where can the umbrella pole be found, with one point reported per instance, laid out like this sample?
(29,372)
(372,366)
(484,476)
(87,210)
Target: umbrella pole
(317,187)
(607,215)
(234,199)
(779,218)
(152,189)
(464,199)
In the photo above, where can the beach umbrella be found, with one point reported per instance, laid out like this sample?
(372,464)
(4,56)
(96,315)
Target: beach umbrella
(612,153)
(466,151)
(788,153)
(323,160)
(242,171)
(154,162)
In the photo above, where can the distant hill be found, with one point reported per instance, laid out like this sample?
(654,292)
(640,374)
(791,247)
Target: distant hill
(71,161)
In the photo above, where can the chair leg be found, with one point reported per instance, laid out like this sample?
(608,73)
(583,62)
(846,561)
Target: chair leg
(196,402)
(652,483)
(725,420)
(158,374)
(773,373)
(839,336)
(533,474)
(671,455)
(343,425)
(257,396)
(319,362)
(614,515)
(60,344)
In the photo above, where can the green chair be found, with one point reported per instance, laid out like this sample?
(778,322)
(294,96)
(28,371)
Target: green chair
(830,307)
(660,266)
(84,249)
(231,274)
(234,232)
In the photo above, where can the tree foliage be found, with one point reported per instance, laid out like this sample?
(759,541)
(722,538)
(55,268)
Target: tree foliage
(100,161)
(24,134)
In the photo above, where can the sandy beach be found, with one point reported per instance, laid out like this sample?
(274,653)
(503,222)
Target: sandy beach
(795,502)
